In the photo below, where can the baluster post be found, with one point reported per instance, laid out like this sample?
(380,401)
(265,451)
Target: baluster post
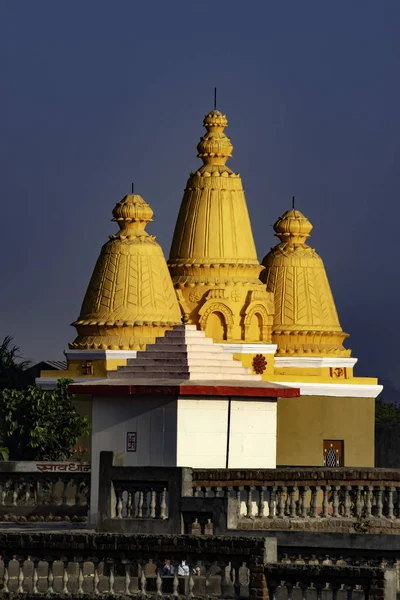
(65,578)
(325,500)
(163,504)
(15,492)
(335,503)
(129,505)
(249,503)
(111,577)
(21,577)
(239,500)
(35,577)
(314,504)
(140,504)
(127,578)
(281,501)
(159,585)
(272,502)
(304,510)
(96,578)
(292,505)
(118,507)
(390,505)
(261,505)
(153,504)
(175,586)
(28,486)
(80,575)
(368,501)
(359,504)
(379,502)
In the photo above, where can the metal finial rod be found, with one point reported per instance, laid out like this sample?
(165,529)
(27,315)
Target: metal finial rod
(215,98)
(293,202)
(133,188)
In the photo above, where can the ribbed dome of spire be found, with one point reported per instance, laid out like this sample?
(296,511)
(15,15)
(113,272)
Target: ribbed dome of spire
(213,260)
(130,299)
(305,320)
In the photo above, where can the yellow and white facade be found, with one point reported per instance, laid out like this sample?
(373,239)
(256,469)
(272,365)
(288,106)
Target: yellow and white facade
(278,317)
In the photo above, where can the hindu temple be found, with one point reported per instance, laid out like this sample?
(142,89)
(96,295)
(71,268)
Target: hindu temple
(271,326)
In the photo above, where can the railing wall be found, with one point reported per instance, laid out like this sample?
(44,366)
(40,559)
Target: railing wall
(166,566)
(348,500)
(44,491)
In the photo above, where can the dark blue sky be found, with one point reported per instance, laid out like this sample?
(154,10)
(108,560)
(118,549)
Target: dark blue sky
(96,94)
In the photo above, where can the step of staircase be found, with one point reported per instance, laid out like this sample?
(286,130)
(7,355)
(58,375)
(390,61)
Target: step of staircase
(184,353)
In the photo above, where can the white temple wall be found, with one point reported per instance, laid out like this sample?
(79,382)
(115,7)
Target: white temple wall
(153,419)
(253,435)
(202,433)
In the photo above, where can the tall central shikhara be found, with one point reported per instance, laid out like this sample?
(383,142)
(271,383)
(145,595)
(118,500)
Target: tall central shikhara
(213,260)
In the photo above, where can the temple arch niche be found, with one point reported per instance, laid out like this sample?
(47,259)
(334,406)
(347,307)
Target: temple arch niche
(216,327)
(255,327)
(256,323)
(216,320)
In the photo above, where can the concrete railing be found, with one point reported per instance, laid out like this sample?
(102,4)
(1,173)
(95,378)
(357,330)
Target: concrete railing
(315,499)
(171,566)
(159,566)
(41,491)
(329,583)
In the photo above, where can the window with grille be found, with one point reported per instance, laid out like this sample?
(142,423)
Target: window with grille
(333,453)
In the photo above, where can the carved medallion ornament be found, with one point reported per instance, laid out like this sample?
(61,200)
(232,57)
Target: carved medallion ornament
(259,364)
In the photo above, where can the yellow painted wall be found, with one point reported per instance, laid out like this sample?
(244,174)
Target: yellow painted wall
(305,422)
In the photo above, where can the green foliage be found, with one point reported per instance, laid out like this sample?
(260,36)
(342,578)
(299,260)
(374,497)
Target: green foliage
(4,454)
(12,370)
(40,425)
(386,413)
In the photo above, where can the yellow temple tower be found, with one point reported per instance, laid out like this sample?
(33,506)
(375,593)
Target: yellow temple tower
(213,260)
(335,412)
(129,302)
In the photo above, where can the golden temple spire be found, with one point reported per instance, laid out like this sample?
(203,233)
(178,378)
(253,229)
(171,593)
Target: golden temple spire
(130,299)
(213,260)
(306,320)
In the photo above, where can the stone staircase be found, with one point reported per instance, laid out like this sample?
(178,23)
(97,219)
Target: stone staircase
(184,353)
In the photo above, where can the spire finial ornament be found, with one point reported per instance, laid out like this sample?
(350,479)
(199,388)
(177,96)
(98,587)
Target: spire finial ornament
(213,260)
(215,147)
(215,98)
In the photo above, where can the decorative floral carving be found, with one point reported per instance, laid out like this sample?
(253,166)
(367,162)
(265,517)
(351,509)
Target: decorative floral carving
(236,295)
(259,364)
(194,296)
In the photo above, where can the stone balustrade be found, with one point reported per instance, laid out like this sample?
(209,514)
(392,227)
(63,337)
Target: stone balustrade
(146,566)
(40,491)
(301,582)
(345,500)
(141,500)
(88,564)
